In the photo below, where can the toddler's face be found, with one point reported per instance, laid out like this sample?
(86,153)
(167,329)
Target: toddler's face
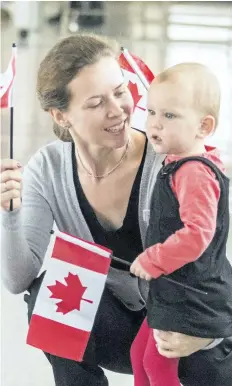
(173,122)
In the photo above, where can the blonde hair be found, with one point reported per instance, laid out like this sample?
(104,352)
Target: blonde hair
(199,80)
(62,64)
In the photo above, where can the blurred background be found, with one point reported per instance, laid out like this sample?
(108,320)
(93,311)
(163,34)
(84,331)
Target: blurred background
(162,34)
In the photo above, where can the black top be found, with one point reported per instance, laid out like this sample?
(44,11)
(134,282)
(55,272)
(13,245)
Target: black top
(205,309)
(125,242)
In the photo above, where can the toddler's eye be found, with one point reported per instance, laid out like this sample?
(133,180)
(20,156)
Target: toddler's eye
(170,115)
(151,112)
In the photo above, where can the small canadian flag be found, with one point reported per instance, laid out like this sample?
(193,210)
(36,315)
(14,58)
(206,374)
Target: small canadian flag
(132,66)
(69,297)
(7,82)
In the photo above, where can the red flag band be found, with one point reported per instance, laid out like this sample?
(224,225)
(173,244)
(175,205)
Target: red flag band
(7,82)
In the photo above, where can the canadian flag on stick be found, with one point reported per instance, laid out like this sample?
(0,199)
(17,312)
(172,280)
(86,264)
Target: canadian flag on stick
(7,82)
(69,297)
(138,78)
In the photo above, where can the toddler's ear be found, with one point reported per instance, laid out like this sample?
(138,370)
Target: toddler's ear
(207,126)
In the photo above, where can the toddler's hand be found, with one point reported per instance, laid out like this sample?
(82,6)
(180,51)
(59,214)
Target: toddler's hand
(138,270)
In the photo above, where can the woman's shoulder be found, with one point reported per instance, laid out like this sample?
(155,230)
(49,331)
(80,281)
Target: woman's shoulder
(52,153)
(46,166)
(55,148)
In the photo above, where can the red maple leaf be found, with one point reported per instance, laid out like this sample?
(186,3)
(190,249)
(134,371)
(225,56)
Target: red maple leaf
(71,294)
(135,94)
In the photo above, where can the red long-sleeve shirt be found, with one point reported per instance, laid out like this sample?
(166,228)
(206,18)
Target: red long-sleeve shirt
(198,191)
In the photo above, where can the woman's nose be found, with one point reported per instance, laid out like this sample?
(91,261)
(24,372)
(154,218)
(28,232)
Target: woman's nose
(115,109)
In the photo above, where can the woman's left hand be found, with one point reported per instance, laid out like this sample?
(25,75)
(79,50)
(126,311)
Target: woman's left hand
(176,345)
(138,270)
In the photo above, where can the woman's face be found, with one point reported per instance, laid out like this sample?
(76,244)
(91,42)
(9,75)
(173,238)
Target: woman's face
(101,105)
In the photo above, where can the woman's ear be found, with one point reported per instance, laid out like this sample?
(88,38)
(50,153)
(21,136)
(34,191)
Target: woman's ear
(207,126)
(59,117)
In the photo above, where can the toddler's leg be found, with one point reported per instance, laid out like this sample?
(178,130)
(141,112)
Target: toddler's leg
(138,348)
(160,370)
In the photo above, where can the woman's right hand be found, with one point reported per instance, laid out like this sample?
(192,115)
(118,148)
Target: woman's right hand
(11,183)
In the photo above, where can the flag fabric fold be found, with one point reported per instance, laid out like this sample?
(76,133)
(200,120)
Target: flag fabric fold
(7,82)
(69,297)
(138,77)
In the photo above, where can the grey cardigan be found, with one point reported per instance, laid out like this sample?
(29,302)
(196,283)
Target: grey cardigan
(49,196)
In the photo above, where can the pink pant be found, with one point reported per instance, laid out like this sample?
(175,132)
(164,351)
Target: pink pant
(149,367)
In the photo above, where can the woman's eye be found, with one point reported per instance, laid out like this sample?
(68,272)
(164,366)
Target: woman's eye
(120,93)
(151,112)
(170,115)
(95,106)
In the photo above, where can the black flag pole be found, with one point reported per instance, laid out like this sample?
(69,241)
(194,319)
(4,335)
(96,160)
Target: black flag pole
(12,124)
(11,142)
(127,264)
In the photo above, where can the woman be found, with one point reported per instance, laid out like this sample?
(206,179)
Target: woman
(93,183)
